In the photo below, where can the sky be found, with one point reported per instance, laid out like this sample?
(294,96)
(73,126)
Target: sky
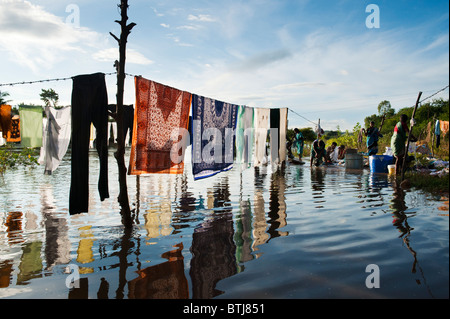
(328,60)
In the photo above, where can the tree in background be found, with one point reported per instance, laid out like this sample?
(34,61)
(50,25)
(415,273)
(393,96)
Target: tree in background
(385,109)
(3,95)
(49,97)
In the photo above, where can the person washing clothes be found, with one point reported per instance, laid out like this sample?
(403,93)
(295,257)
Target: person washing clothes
(373,134)
(332,153)
(318,153)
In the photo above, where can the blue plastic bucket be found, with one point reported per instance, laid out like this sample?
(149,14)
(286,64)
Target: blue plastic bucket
(379,163)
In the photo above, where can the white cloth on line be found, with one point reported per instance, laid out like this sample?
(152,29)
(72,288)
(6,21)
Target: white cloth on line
(57,130)
(261,123)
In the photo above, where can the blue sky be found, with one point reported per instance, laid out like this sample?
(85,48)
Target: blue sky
(316,57)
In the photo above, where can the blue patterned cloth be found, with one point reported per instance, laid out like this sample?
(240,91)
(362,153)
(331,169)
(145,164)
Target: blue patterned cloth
(213,129)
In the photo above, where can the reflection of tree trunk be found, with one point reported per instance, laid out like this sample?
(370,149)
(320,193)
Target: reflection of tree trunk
(120,153)
(125,248)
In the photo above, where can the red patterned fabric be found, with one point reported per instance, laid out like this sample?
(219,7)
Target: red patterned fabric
(159,110)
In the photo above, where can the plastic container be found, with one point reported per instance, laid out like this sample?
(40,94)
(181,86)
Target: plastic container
(391,169)
(354,161)
(379,163)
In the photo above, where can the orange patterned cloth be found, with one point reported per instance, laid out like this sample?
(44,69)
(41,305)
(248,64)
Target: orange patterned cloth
(160,111)
(444,127)
(14,133)
(5,119)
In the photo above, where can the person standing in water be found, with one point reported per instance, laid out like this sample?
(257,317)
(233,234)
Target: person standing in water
(299,143)
(398,141)
(373,134)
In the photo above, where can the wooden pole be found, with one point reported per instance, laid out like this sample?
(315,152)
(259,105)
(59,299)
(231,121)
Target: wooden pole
(432,136)
(120,153)
(409,137)
(318,131)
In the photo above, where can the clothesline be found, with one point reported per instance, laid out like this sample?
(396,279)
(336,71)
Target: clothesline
(133,75)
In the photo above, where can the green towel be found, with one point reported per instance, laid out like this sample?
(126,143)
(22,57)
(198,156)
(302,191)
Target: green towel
(30,125)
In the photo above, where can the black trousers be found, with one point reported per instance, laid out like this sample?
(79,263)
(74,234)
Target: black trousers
(89,105)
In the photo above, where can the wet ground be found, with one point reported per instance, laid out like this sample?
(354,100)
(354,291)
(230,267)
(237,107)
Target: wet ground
(297,233)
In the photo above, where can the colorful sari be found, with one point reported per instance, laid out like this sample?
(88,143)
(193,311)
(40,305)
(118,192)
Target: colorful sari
(161,116)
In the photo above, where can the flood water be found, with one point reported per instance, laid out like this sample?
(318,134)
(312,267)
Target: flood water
(297,233)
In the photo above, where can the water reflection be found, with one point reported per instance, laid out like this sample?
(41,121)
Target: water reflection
(158,216)
(260,235)
(31,265)
(210,231)
(373,196)
(57,243)
(162,281)
(318,186)
(277,205)
(400,221)
(13,225)
(213,249)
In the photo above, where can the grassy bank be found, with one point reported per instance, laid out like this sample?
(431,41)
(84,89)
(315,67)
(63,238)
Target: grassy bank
(10,157)
(427,182)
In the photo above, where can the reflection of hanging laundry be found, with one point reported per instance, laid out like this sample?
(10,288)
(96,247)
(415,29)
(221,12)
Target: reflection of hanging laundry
(158,219)
(214,123)
(30,263)
(244,136)
(30,125)
(260,236)
(243,233)
(5,119)
(13,225)
(85,254)
(89,105)
(261,126)
(6,269)
(163,281)
(161,115)
(56,137)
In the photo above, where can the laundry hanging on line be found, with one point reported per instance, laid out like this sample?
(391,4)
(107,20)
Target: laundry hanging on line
(278,131)
(14,133)
(444,127)
(261,125)
(31,125)
(89,105)
(244,136)
(213,143)
(5,120)
(57,130)
(128,120)
(161,116)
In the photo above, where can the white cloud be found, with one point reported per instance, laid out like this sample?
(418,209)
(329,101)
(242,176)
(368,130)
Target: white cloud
(201,18)
(37,39)
(112,54)
(189,27)
(167,26)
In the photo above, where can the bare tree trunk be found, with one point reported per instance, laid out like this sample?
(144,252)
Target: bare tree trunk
(120,153)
